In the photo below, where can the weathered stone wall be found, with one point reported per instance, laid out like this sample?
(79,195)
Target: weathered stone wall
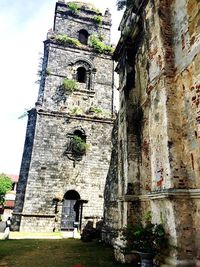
(111,214)
(61,64)
(158,141)
(68,23)
(49,168)
(51,172)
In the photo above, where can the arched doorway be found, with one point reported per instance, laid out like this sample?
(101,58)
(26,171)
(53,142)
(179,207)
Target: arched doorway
(70,210)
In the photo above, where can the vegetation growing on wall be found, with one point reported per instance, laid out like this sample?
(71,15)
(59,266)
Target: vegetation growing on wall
(65,40)
(74,7)
(79,145)
(76,111)
(98,19)
(101,37)
(100,47)
(69,84)
(96,110)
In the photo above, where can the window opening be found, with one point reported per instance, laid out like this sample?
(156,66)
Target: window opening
(83,37)
(80,134)
(81,75)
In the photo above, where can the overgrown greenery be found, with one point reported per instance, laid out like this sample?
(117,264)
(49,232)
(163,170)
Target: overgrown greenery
(96,110)
(99,46)
(5,186)
(98,19)
(145,236)
(101,37)
(74,7)
(65,40)
(69,85)
(76,111)
(56,253)
(79,145)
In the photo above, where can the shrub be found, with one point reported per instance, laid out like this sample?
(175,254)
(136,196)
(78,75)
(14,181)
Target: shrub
(98,19)
(99,46)
(64,40)
(145,237)
(69,84)
(79,146)
(74,8)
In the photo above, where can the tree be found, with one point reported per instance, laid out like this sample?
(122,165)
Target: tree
(124,3)
(5,186)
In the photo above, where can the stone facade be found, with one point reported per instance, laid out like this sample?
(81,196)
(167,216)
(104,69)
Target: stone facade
(158,134)
(59,186)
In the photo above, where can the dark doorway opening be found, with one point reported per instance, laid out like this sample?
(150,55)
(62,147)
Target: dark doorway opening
(70,210)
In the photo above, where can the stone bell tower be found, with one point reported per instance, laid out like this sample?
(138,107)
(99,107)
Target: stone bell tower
(68,139)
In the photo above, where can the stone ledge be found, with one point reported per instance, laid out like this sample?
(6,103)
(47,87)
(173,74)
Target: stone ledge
(72,48)
(165,194)
(34,215)
(78,117)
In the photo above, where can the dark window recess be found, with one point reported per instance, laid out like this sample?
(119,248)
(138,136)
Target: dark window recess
(80,134)
(81,75)
(83,37)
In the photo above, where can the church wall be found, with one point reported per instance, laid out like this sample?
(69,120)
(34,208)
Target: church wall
(159,84)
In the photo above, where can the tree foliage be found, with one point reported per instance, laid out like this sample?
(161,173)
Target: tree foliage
(124,3)
(5,186)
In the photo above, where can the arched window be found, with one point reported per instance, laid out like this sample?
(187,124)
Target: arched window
(83,37)
(81,75)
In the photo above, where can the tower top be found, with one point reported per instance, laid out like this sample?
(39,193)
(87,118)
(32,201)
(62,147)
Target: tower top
(83,22)
(88,10)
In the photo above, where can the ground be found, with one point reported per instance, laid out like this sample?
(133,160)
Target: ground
(56,253)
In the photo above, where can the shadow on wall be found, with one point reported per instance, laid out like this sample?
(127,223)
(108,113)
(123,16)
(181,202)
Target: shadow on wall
(90,233)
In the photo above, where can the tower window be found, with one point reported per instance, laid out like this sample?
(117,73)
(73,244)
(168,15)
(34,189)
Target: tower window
(80,134)
(83,37)
(81,75)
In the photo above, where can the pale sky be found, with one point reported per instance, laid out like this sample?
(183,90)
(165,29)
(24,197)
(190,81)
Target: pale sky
(23,28)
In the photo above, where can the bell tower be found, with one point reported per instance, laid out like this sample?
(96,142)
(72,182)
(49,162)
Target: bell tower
(68,140)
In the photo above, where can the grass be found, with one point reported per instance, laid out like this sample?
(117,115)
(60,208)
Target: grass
(56,253)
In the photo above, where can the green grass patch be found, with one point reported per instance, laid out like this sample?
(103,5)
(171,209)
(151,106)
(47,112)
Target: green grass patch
(56,253)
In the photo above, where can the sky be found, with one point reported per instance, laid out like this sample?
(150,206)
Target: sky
(23,28)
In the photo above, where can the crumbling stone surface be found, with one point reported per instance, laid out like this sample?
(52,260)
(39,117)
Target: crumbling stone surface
(158,134)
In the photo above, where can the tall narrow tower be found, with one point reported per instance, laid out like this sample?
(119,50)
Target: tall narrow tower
(67,145)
